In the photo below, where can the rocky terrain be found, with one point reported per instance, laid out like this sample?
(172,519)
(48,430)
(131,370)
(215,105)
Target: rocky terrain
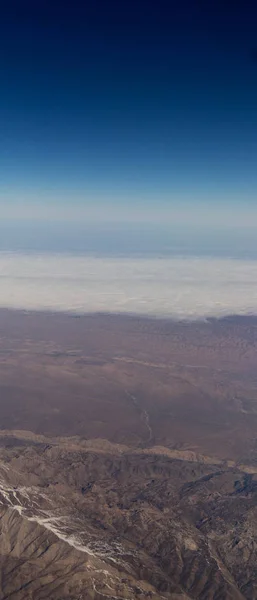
(128,465)
(85,521)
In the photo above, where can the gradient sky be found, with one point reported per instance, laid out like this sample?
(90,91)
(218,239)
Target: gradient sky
(128,111)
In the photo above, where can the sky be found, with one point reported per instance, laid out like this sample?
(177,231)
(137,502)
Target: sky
(128,114)
(128,141)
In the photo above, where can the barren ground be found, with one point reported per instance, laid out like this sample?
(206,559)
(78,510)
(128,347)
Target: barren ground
(128,452)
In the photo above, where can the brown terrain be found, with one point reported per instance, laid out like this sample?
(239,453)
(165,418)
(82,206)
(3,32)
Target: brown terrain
(128,458)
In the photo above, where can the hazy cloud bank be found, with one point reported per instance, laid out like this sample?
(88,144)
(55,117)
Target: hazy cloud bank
(178,287)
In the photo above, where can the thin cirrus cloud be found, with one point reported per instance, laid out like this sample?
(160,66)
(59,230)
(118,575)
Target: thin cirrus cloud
(189,288)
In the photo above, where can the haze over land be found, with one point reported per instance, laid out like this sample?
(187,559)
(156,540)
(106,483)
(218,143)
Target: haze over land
(178,287)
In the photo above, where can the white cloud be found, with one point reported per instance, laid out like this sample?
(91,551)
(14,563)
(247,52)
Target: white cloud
(178,287)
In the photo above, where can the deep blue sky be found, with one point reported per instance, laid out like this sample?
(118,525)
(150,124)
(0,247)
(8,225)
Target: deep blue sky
(116,104)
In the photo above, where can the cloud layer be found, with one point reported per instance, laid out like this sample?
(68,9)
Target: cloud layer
(177,287)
